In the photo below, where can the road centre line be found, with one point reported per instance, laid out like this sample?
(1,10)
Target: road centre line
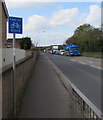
(73,60)
(77,61)
(82,63)
(95,67)
(99,68)
(87,64)
(90,62)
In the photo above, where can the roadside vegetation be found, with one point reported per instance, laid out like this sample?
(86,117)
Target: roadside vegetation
(88,38)
(25,43)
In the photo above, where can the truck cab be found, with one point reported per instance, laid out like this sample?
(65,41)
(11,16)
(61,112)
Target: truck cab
(72,50)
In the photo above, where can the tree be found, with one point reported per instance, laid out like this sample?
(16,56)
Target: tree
(25,43)
(83,29)
(89,39)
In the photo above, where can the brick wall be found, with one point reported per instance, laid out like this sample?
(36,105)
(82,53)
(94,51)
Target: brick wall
(0,24)
(3,24)
(0,58)
(23,69)
(4,28)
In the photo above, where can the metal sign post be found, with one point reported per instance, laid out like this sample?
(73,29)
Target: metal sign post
(14,79)
(15,27)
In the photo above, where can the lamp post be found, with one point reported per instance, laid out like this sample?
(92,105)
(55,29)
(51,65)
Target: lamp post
(39,38)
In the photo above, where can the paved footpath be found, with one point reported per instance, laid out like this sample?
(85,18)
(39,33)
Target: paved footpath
(46,97)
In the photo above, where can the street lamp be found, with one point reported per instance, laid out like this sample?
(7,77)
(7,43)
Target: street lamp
(39,38)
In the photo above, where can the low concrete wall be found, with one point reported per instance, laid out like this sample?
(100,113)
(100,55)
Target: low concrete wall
(23,70)
(7,55)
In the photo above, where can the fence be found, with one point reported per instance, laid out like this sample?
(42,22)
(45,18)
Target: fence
(93,54)
(86,109)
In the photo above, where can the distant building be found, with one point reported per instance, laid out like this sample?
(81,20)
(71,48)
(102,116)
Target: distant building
(102,15)
(60,47)
(9,43)
(47,47)
(3,23)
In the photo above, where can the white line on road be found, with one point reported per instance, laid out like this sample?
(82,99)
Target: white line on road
(99,68)
(95,67)
(82,63)
(87,64)
(73,60)
(90,62)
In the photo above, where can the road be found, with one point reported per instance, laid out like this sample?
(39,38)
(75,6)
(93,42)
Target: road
(84,73)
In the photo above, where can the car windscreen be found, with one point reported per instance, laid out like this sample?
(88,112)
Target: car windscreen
(74,48)
(62,51)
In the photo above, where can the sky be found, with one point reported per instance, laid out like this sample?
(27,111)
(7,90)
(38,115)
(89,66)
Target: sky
(51,23)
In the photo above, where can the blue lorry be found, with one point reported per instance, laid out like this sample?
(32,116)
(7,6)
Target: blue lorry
(72,50)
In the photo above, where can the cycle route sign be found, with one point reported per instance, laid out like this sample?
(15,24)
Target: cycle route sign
(15,25)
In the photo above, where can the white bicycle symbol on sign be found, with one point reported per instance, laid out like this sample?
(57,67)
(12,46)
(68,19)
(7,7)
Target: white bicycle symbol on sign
(15,25)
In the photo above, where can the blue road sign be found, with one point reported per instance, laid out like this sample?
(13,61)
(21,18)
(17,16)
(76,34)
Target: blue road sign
(15,25)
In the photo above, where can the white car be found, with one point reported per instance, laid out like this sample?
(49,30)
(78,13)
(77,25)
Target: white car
(62,52)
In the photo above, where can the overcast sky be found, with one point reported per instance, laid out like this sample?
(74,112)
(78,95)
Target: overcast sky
(50,23)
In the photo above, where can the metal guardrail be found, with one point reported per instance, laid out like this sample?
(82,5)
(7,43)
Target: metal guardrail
(85,107)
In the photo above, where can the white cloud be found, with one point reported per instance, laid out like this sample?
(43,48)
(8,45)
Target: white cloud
(18,4)
(54,0)
(94,16)
(63,16)
(55,39)
(36,23)
(23,4)
(68,18)
(38,3)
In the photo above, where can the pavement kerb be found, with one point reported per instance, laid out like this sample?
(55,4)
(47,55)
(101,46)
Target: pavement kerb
(67,85)
(61,76)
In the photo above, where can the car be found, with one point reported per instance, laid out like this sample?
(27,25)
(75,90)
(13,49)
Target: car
(47,51)
(67,53)
(57,52)
(54,51)
(62,52)
(51,51)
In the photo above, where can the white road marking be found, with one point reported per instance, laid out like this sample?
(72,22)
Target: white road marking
(93,66)
(99,68)
(90,62)
(82,63)
(73,60)
(87,64)
(96,67)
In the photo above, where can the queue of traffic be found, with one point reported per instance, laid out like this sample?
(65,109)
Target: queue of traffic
(71,50)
